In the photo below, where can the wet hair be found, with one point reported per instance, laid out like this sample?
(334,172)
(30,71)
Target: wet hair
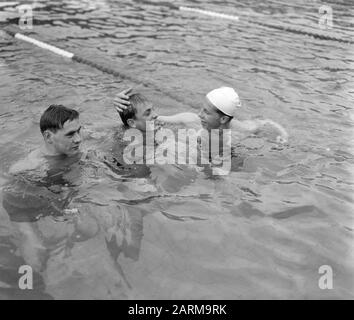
(55,116)
(130,112)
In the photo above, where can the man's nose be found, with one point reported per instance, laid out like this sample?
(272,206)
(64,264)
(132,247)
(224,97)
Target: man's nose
(77,138)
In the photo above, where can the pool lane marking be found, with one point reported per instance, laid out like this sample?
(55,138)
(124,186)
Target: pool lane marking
(40,44)
(66,54)
(210,13)
(98,66)
(281,27)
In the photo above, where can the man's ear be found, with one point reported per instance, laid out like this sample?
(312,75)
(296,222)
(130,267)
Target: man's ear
(131,123)
(47,135)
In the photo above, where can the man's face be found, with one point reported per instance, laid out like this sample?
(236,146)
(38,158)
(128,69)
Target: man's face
(66,140)
(144,113)
(209,116)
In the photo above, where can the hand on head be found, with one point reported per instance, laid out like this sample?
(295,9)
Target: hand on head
(121,100)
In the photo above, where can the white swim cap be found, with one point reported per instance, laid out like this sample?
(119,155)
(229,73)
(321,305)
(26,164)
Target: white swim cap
(225,99)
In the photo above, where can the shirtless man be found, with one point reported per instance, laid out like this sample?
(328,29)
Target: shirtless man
(139,116)
(54,226)
(60,128)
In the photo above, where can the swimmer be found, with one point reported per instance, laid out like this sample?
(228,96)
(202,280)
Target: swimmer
(39,198)
(140,114)
(137,113)
(61,131)
(219,111)
(25,200)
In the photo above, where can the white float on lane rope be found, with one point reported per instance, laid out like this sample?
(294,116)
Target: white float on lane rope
(210,13)
(46,46)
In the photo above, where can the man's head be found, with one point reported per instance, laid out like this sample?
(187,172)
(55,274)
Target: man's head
(60,127)
(219,108)
(138,113)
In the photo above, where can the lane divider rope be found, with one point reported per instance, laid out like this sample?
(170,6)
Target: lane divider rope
(83,60)
(282,27)
(77,58)
(45,46)
(210,13)
(302,31)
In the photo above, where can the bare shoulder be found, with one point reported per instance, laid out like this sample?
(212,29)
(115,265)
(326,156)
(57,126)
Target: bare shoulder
(32,161)
(265,128)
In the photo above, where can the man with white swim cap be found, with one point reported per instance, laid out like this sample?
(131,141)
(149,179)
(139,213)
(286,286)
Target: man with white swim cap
(220,107)
(219,111)
(225,99)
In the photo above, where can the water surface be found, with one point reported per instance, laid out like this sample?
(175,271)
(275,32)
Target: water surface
(262,232)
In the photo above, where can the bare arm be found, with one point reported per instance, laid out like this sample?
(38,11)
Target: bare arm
(253,126)
(179,118)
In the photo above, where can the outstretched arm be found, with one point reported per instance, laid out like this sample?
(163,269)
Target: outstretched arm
(179,118)
(121,102)
(254,126)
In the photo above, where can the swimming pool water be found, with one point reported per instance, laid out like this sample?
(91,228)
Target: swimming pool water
(261,232)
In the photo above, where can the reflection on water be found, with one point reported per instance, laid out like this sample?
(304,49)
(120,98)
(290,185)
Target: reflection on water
(261,232)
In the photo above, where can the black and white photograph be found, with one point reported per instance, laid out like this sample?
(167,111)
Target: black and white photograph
(188,150)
